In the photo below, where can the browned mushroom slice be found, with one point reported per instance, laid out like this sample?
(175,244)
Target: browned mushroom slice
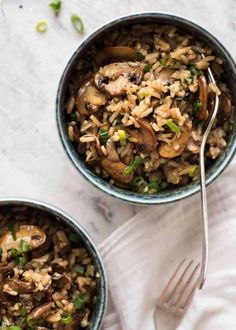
(119,53)
(32,235)
(165,75)
(39,311)
(63,282)
(14,287)
(203,113)
(225,106)
(112,153)
(145,136)
(89,99)
(116,170)
(177,145)
(114,77)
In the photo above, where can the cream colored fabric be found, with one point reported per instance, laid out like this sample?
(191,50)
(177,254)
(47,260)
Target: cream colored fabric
(141,255)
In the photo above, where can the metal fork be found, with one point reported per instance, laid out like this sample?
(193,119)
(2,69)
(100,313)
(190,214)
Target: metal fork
(177,295)
(171,301)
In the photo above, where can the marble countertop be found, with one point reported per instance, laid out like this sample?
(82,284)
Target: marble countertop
(32,161)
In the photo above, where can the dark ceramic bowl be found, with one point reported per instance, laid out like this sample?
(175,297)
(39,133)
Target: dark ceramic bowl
(169,195)
(60,216)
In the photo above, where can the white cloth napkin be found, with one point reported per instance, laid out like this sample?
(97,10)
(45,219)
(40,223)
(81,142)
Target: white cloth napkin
(142,254)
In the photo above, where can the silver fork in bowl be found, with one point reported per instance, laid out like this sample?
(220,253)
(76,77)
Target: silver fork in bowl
(170,301)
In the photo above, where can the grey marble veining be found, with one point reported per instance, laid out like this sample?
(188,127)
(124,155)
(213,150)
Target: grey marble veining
(32,161)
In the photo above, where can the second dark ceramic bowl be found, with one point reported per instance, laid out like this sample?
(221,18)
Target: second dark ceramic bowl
(161,18)
(100,308)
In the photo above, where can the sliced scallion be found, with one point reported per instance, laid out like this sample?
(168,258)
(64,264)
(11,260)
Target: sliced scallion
(172,126)
(79,269)
(66,318)
(132,167)
(12,229)
(197,106)
(41,26)
(147,68)
(80,300)
(55,5)
(163,62)
(103,136)
(122,137)
(25,247)
(192,170)
(77,23)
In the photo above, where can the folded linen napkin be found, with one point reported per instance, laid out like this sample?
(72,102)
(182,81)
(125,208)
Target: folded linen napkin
(142,254)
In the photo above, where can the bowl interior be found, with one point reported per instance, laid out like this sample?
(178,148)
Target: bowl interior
(159,18)
(99,311)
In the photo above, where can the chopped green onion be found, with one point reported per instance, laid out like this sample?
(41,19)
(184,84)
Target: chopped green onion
(173,126)
(80,300)
(192,170)
(179,98)
(66,318)
(140,56)
(14,253)
(147,68)
(154,185)
(73,238)
(197,106)
(42,26)
(12,229)
(31,322)
(79,269)
(139,183)
(142,95)
(77,23)
(103,136)
(73,116)
(22,261)
(122,137)
(14,327)
(163,63)
(195,71)
(132,167)
(56,6)
(23,310)
(25,247)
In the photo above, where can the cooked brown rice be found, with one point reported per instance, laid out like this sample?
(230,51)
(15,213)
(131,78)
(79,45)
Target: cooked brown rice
(138,103)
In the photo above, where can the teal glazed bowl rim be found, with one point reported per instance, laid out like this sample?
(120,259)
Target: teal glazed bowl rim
(129,196)
(101,306)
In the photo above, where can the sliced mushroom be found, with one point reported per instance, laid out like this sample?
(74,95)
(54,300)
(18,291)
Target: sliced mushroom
(39,311)
(112,153)
(225,106)
(203,113)
(14,287)
(116,170)
(62,241)
(165,75)
(145,136)
(112,54)
(177,145)
(89,99)
(32,235)
(114,77)
(63,282)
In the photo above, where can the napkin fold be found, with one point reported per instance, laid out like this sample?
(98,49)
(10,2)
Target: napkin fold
(141,255)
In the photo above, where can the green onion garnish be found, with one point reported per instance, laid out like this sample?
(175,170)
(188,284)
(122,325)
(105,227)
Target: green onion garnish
(73,116)
(192,170)
(66,318)
(42,26)
(163,63)
(25,247)
(197,106)
(73,238)
(103,136)
(172,126)
(31,322)
(154,185)
(12,229)
(132,167)
(14,327)
(122,137)
(14,253)
(147,68)
(80,300)
(79,269)
(77,23)
(23,310)
(194,71)
(55,5)
(22,261)
(140,56)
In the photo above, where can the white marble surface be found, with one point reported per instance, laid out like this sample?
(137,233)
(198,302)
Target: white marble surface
(32,161)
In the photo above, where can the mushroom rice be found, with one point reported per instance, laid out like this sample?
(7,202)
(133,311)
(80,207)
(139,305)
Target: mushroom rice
(138,103)
(48,279)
